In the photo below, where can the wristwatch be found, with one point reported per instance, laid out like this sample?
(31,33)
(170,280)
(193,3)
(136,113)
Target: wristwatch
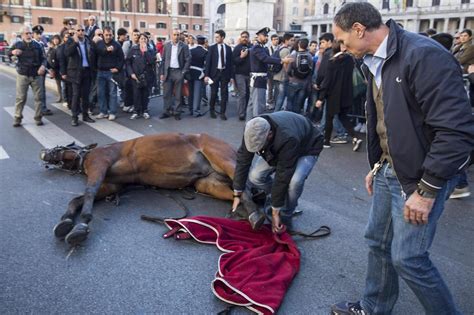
(425,193)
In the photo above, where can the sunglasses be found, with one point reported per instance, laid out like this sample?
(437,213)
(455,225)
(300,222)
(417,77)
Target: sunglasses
(457,37)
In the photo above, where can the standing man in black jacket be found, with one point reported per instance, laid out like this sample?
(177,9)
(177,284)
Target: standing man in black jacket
(110,60)
(79,54)
(219,69)
(30,67)
(241,59)
(285,144)
(420,132)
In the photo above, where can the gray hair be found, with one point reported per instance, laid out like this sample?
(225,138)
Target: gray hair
(361,12)
(24,29)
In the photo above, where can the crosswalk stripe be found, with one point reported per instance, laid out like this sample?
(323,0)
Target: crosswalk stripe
(3,153)
(49,135)
(111,129)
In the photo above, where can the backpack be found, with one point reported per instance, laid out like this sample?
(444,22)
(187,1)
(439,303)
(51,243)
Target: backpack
(275,68)
(303,65)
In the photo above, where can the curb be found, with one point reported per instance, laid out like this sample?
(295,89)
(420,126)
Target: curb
(49,83)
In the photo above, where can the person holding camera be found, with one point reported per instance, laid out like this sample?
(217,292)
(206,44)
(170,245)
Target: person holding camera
(140,64)
(241,60)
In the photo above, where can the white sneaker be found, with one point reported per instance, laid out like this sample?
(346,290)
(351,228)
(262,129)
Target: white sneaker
(126,108)
(101,116)
(363,129)
(111,117)
(358,127)
(146,115)
(134,116)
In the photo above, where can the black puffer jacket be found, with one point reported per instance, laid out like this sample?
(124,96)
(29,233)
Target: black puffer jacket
(294,137)
(31,58)
(430,127)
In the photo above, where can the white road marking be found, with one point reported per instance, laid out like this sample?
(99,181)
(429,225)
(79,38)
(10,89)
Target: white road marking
(3,154)
(49,135)
(111,129)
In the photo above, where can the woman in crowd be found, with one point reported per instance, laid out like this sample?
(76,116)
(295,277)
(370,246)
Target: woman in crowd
(140,64)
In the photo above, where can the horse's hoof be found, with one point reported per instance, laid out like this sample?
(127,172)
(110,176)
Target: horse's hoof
(63,228)
(78,234)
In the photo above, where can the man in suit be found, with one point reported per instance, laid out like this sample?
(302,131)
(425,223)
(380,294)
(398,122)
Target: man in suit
(176,61)
(198,59)
(90,29)
(78,52)
(219,70)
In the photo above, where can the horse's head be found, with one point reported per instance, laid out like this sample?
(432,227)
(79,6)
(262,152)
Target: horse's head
(68,157)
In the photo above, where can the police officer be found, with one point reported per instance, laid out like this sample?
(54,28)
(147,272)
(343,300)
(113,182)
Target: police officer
(198,60)
(37,33)
(259,60)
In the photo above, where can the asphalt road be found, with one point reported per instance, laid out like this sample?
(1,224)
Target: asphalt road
(126,267)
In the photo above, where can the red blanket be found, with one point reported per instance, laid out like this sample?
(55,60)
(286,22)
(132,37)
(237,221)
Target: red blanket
(256,268)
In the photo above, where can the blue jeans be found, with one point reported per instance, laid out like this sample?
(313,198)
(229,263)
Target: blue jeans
(400,249)
(462,180)
(281,91)
(260,176)
(106,93)
(296,96)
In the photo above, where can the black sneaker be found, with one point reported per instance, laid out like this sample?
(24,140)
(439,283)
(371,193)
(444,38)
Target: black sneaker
(17,122)
(47,112)
(348,308)
(39,122)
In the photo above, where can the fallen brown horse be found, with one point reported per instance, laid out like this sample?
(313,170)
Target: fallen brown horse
(168,161)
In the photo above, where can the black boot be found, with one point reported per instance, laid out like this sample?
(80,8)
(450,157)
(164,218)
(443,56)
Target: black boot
(74,122)
(255,216)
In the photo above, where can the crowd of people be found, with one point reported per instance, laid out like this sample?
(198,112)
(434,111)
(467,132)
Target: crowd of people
(405,90)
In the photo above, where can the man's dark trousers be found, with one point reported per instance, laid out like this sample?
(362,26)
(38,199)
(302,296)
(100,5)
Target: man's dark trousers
(80,94)
(219,81)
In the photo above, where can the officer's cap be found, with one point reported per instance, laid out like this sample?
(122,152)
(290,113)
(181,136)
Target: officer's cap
(201,37)
(38,29)
(264,31)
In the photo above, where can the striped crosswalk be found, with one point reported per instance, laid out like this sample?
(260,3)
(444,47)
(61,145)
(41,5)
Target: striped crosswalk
(3,154)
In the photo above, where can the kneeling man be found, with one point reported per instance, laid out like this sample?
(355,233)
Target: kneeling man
(277,153)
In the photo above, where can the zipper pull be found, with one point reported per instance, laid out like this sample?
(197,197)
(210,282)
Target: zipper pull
(377,167)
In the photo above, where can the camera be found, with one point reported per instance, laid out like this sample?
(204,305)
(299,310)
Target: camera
(244,48)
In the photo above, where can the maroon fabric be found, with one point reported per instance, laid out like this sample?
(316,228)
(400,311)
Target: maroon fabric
(256,268)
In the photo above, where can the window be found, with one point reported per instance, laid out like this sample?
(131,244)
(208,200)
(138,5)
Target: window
(409,3)
(125,6)
(183,27)
(90,4)
(126,24)
(45,20)
(142,24)
(16,2)
(111,4)
(43,3)
(278,11)
(306,12)
(436,3)
(386,4)
(197,9)
(183,8)
(161,7)
(295,11)
(465,1)
(326,8)
(71,21)
(17,19)
(142,6)
(161,25)
(197,27)
(70,4)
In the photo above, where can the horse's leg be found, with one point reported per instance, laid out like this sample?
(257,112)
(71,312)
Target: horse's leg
(95,178)
(67,220)
(215,185)
(219,154)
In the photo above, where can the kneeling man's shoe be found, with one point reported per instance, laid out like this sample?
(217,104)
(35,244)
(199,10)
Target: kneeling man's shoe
(256,220)
(348,308)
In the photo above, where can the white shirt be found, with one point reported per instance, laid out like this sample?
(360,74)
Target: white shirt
(220,64)
(174,63)
(374,62)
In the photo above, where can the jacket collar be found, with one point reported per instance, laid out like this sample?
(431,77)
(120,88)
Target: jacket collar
(392,41)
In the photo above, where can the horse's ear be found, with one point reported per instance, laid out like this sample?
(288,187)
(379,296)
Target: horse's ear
(71,144)
(91,146)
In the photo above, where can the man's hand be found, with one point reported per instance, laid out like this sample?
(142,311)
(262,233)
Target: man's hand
(236,203)
(287,60)
(369,181)
(64,77)
(244,53)
(318,104)
(114,70)
(277,227)
(206,79)
(162,77)
(41,70)
(110,48)
(75,38)
(96,39)
(134,77)
(417,209)
(17,52)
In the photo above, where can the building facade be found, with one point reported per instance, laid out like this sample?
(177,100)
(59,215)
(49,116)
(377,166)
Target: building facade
(159,17)
(289,14)
(415,15)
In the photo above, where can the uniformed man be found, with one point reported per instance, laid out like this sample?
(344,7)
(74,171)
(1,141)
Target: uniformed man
(37,34)
(259,60)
